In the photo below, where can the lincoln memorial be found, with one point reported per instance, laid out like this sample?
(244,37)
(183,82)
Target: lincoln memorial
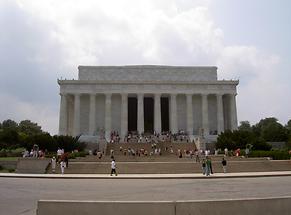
(147,99)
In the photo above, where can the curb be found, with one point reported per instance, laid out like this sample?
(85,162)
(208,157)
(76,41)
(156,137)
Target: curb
(148,176)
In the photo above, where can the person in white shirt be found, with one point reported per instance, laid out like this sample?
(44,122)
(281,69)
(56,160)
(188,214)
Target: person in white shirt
(113,167)
(63,165)
(54,163)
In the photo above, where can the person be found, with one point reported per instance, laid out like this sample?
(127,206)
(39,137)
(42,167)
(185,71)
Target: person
(226,152)
(59,154)
(113,167)
(54,163)
(210,165)
(207,166)
(247,151)
(63,165)
(66,159)
(35,151)
(203,167)
(223,162)
(197,156)
(25,153)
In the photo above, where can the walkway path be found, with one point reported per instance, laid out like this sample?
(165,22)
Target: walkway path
(20,195)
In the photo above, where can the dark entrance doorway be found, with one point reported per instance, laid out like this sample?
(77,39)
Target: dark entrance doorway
(132,114)
(148,115)
(165,113)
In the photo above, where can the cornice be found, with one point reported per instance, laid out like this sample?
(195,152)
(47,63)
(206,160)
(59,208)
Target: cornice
(90,82)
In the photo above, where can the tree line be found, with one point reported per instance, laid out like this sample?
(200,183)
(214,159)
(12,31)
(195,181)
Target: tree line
(256,136)
(26,133)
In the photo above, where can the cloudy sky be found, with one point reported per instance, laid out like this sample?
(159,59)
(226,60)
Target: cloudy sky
(42,40)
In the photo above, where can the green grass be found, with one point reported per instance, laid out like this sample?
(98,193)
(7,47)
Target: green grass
(7,171)
(9,158)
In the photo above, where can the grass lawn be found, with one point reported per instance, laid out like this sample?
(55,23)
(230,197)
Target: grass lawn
(6,171)
(9,158)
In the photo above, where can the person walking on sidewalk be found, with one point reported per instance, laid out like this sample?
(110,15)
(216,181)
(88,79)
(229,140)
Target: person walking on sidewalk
(113,167)
(223,162)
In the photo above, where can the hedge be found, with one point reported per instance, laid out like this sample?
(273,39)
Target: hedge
(274,154)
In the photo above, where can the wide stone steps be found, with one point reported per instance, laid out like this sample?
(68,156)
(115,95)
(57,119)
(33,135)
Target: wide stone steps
(148,147)
(158,158)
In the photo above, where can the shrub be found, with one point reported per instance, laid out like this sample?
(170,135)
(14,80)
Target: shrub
(11,170)
(77,154)
(275,154)
(3,153)
(11,152)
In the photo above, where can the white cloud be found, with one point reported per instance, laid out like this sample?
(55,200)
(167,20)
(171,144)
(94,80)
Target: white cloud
(68,33)
(261,92)
(17,110)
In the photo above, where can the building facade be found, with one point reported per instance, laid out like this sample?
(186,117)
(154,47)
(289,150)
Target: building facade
(146,99)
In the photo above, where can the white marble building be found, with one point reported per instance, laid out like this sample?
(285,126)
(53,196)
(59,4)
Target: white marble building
(147,98)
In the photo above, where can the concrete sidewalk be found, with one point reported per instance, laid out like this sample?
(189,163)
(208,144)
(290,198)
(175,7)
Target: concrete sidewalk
(150,176)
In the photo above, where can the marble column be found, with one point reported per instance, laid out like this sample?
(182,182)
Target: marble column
(233,113)
(205,123)
(220,118)
(124,115)
(92,114)
(63,121)
(108,116)
(76,114)
(173,115)
(157,114)
(140,114)
(189,114)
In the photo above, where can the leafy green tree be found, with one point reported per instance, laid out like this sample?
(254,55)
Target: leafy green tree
(9,124)
(29,128)
(271,130)
(68,143)
(9,138)
(43,140)
(232,139)
(240,139)
(288,126)
(260,144)
(245,126)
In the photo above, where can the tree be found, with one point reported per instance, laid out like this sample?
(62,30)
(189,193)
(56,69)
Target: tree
(241,139)
(9,134)
(245,126)
(9,124)
(271,130)
(68,143)
(29,128)
(288,126)
(9,138)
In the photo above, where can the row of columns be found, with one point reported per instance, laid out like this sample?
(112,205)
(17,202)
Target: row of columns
(140,118)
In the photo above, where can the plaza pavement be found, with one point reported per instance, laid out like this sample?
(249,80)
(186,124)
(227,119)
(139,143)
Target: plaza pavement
(20,195)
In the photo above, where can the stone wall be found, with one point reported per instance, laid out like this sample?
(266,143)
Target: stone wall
(147,73)
(266,206)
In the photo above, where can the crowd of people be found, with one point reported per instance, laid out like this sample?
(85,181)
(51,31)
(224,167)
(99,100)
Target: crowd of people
(62,159)
(35,152)
(135,137)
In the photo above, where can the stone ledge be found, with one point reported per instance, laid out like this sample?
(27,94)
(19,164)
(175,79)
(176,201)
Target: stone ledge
(266,206)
